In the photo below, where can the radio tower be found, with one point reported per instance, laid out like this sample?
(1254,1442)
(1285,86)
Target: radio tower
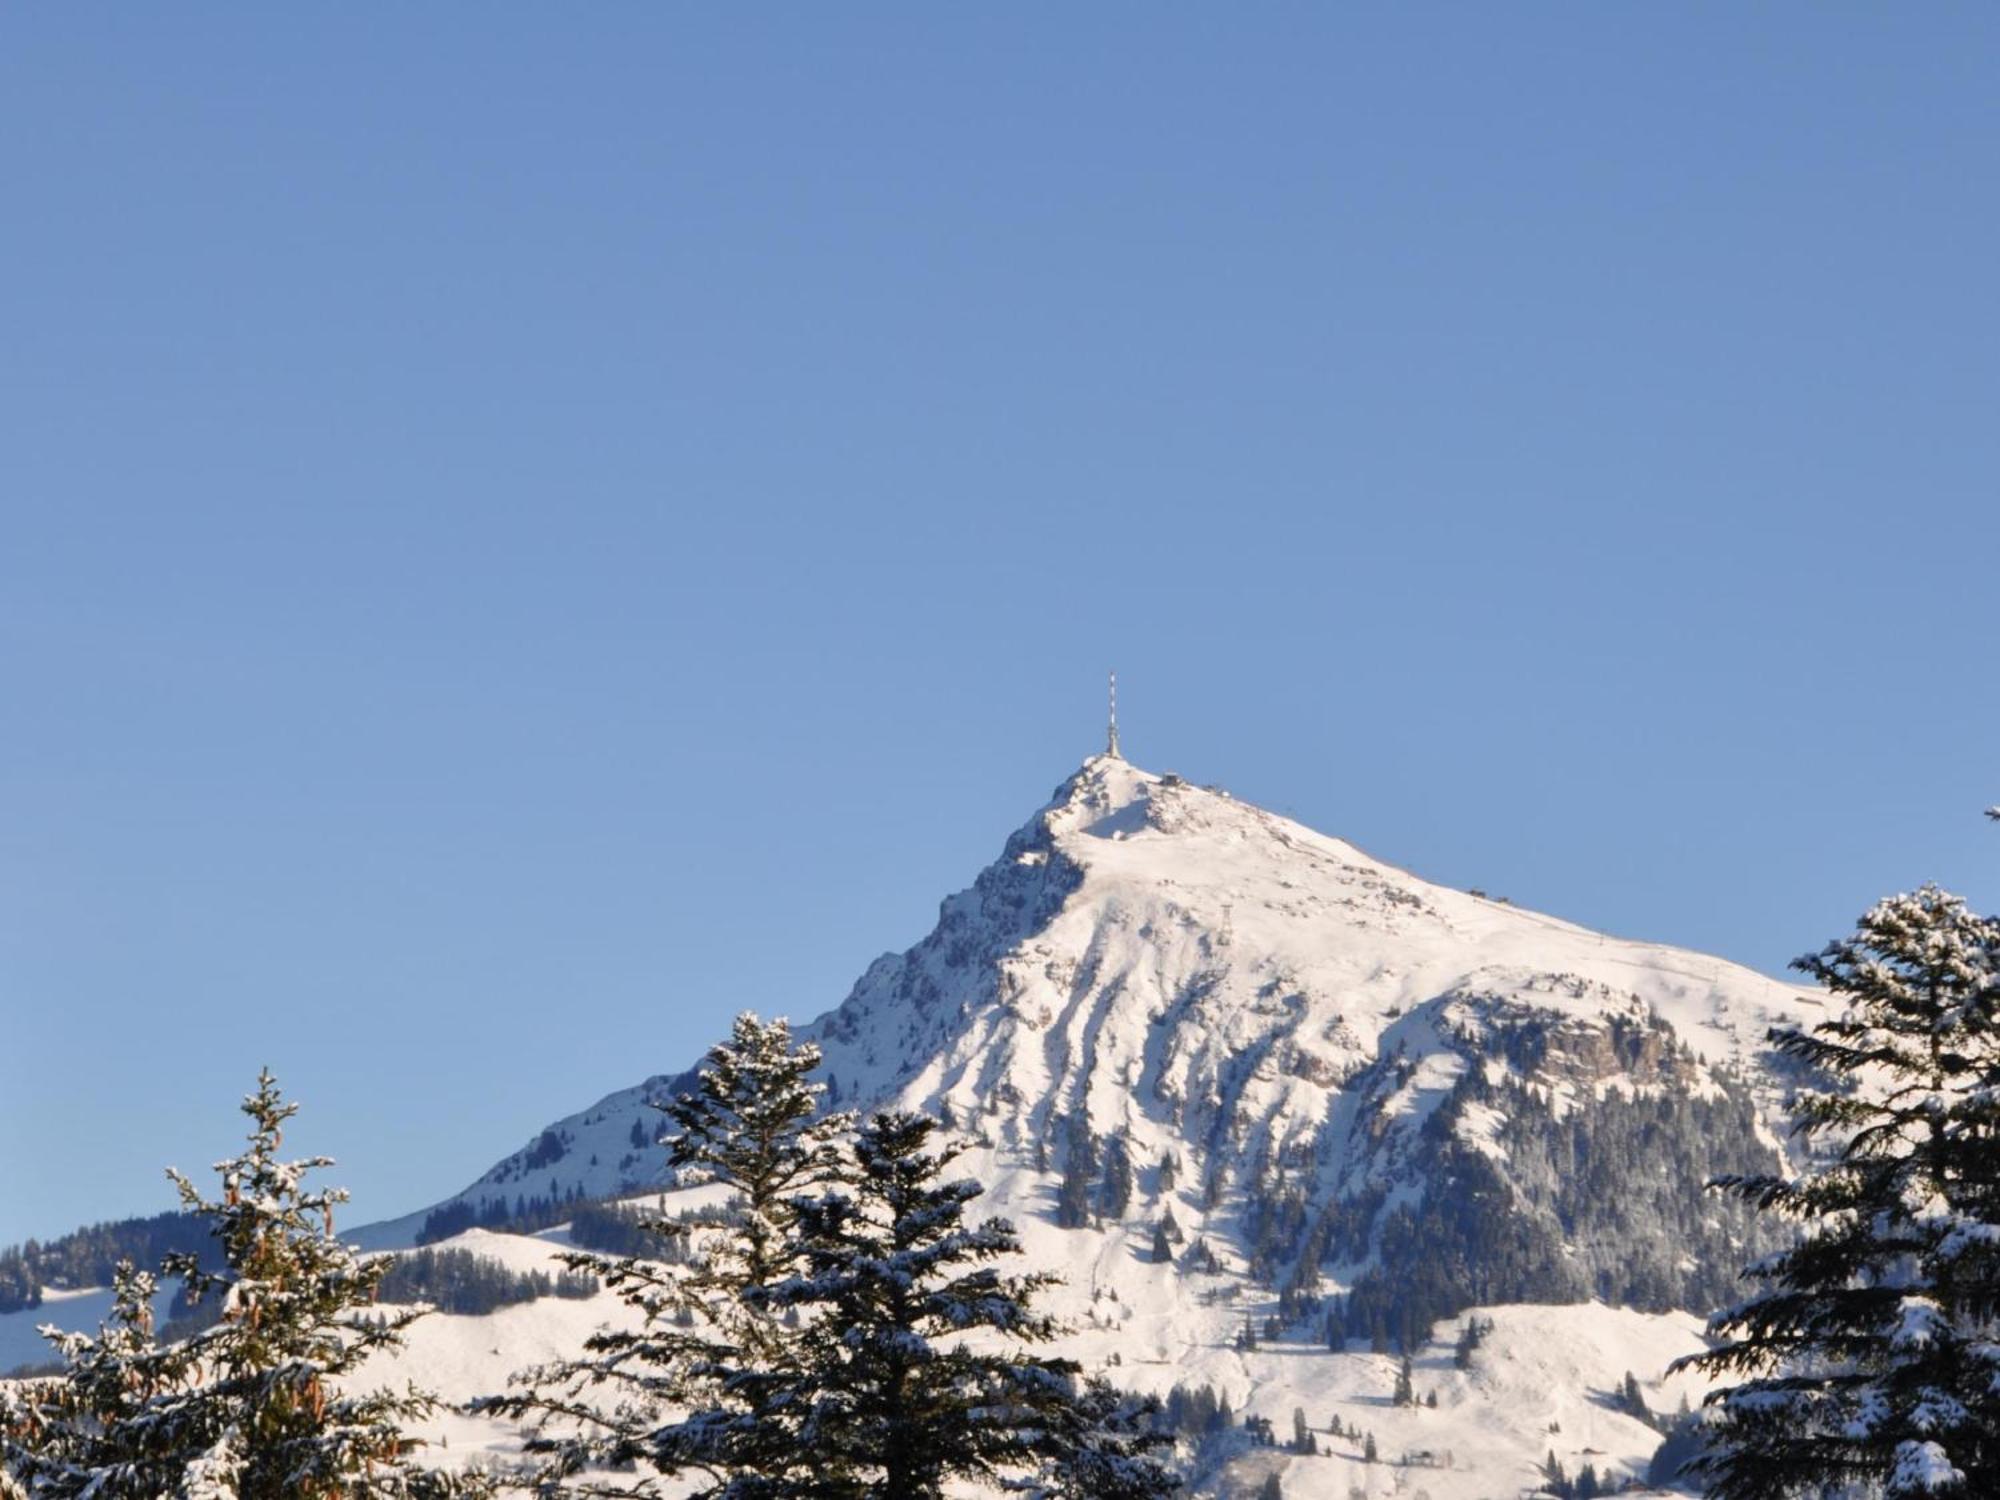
(1111,740)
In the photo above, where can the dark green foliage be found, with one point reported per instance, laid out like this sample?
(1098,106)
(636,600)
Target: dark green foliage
(898,1403)
(629,1229)
(1632,1401)
(1213,1185)
(548,1149)
(89,1257)
(1603,1200)
(1865,1358)
(109,1417)
(1470,1337)
(1114,1194)
(259,1406)
(20,1287)
(1073,1194)
(1195,1411)
(1674,1457)
(452,1219)
(527,1214)
(687,1391)
(1108,1440)
(459,1282)
(1274,1220)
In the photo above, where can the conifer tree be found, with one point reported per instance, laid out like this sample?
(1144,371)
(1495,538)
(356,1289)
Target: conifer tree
(1079,1165)
(298,1315)
(83,1432)
(897,1402)
(1406,1389)
(257,1406)
(1633,1400)
(1115,1193)
(1869,1350)
(753,1123)
(688,1391)
(1107,1440)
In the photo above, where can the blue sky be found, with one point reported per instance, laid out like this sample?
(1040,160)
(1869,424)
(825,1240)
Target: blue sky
(525,532)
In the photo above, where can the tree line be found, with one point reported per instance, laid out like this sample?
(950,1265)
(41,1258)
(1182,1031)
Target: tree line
(839,1328)
(87,1257)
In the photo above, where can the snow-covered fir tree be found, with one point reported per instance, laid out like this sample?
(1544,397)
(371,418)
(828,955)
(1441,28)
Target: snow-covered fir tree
(898,1401)
(110,1424)
(259,1405)
(1110,1447)
(1871,1350)
(298,1317)
(1406,1386)
(753,1124)
(689,1390)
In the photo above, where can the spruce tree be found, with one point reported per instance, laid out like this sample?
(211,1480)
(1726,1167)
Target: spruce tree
(1115,1193)
(1406,1390)
(1079,1165)
(298,1318)
(897,1402)
(1107,1441)
(689,1389)
(753,1123)
(1633,1400)
(1869,1348)
(111,1424)
(258,1405)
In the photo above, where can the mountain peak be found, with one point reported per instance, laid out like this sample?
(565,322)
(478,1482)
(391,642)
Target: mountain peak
(1187,970)
(1104,786)
(1162,1005)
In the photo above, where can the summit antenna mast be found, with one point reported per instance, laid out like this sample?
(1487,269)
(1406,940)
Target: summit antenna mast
(1111,740)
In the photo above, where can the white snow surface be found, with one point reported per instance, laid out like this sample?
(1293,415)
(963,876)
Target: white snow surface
(1179,963)
(1202,978)
(1542,1380)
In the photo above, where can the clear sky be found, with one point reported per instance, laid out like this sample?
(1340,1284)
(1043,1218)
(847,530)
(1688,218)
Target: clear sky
(526,530)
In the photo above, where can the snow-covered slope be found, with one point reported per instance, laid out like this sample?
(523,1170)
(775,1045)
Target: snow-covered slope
(1543,1380)
(1367,1108)
(1198,976)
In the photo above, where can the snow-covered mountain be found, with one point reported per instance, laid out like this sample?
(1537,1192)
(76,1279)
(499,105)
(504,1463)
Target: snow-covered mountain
(1195,976)
(1364,1108)
(1359,1112)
